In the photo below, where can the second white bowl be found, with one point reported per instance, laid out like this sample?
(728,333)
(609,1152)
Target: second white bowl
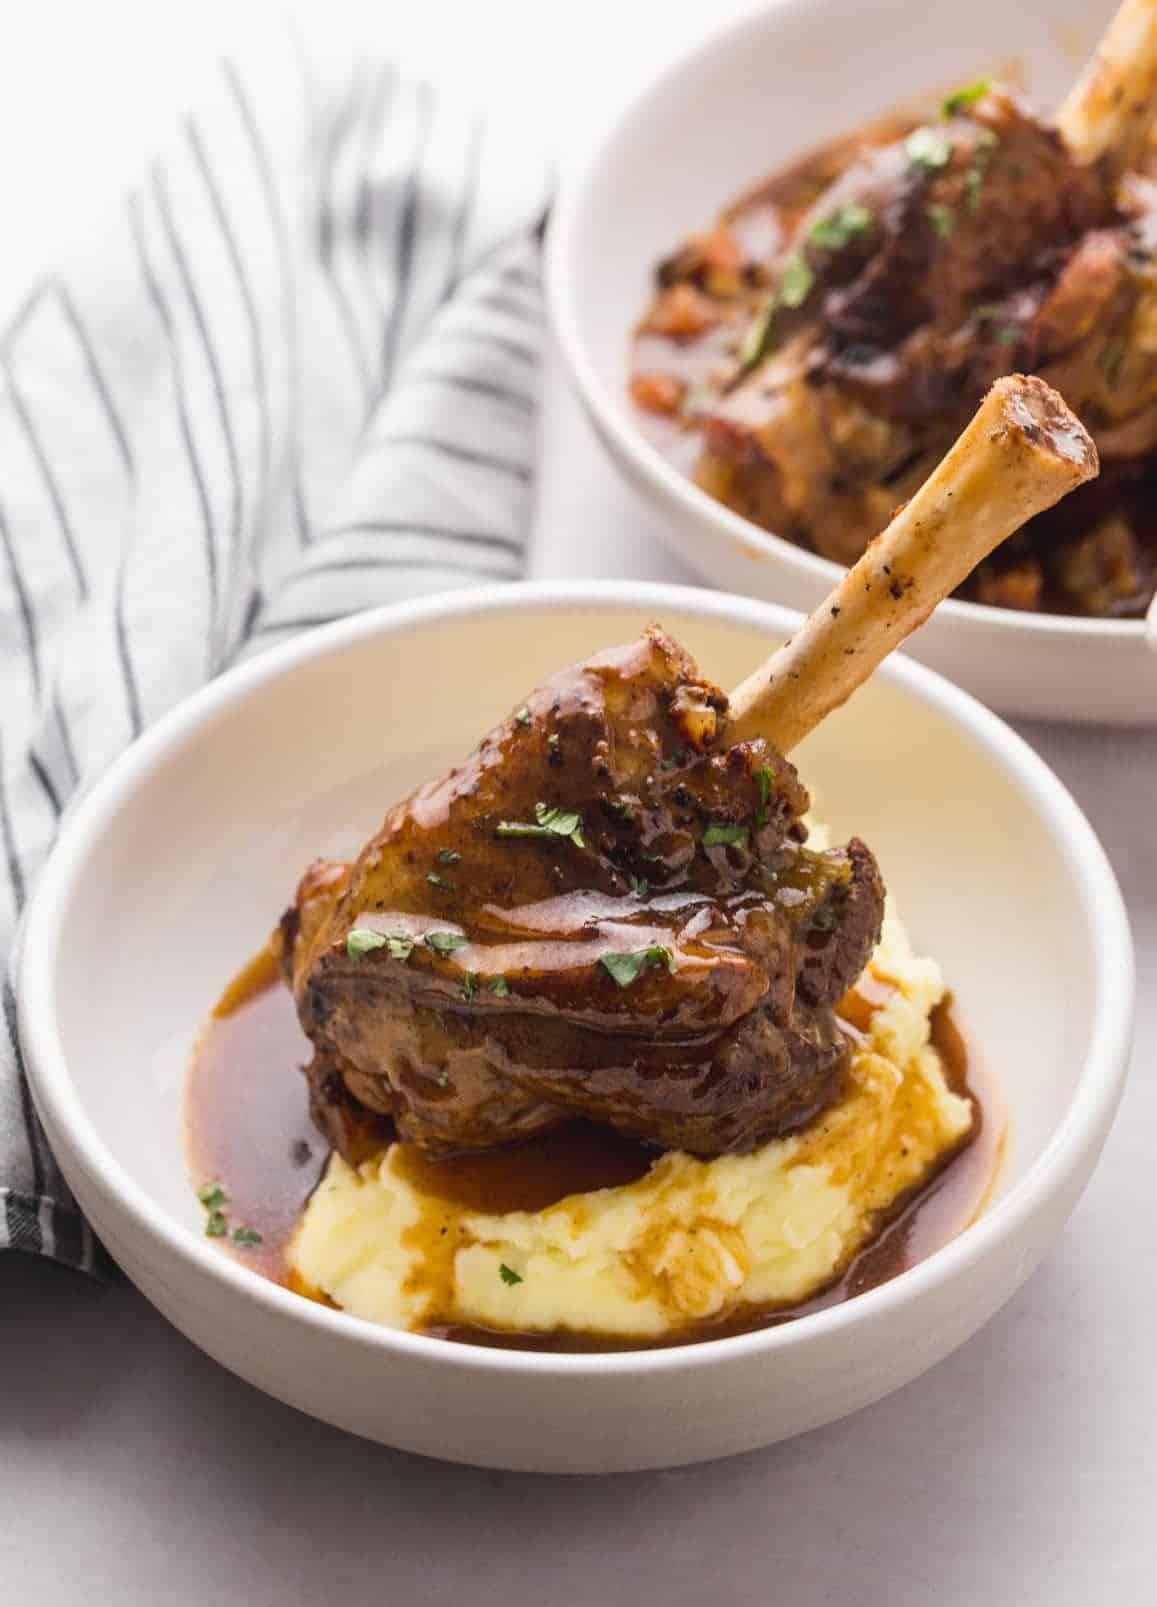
(749,98)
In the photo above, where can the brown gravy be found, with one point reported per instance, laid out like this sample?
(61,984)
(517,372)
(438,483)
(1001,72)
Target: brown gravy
(248,1130)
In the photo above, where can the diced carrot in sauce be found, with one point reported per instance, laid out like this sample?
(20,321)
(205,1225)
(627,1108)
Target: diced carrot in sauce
(658,393)
(720,249)
(681,312)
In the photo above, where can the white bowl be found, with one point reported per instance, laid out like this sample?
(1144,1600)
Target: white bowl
(171,872)
(752,95)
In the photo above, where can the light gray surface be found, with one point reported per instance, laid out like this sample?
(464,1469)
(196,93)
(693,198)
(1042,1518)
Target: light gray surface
(1022,1470)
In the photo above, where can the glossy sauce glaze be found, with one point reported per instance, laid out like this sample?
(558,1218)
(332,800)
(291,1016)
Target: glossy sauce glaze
(248,1131)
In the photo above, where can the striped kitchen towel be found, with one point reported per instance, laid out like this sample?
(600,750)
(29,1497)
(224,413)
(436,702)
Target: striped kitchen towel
(294,376)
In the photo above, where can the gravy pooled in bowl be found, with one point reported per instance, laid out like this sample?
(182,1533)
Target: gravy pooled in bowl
(610,1046)
(249,1136)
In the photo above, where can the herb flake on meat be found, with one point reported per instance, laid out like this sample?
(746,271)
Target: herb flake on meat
(967,95)
(626,967)
(725,834)
(548,822)
(928,149)
(943,220)
(832,233)
(796,279)
(361,940)
(765,781)
(1111,359)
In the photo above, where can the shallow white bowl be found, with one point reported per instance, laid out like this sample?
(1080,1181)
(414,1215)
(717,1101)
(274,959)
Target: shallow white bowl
(172,871)
(752,95)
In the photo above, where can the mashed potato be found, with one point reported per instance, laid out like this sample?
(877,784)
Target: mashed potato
(692,1240)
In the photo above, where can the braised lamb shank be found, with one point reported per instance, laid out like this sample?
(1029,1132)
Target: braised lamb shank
(982,242)
(610,910)
(607,912)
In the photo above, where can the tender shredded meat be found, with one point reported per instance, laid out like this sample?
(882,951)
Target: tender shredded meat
(606,912)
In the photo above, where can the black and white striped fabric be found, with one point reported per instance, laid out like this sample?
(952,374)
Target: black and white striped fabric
(295,376)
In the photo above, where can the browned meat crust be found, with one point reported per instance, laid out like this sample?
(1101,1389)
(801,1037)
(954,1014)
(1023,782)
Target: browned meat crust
(662,953)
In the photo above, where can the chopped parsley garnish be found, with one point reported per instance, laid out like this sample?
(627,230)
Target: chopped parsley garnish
(840,226)
(765,781)
(628,966)
(562,822)
(445,942)
(943,220)
(986,143)
(500,987)
(364,940)
(447,856)
(757,340)
(639,886)
(723,834)
(929,149)
(211,1195)
(247,1236)
(1111,359)
(508,1275)
(673,760)
(469,985)
(795,283)
(522,716)
(968,95)
(216,1226)
(435,880)
(549,822)
(796,279)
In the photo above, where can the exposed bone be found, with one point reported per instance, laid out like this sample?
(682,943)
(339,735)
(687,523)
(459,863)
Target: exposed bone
(1107,115)
(1022,452)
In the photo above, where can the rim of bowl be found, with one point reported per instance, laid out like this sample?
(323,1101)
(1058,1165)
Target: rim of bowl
(1094,1099)
(609,414)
